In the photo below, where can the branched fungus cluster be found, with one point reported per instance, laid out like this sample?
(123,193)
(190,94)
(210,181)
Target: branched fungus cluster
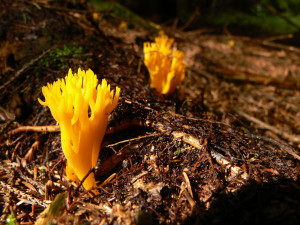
(81,106)
(164,64)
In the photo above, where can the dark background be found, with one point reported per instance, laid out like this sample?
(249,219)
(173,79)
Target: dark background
(248,17)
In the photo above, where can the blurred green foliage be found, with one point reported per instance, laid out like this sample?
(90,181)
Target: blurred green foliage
(264,16)
(272,16)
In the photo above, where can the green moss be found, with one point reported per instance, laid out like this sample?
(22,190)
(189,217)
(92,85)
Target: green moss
(265,16)
(58,58)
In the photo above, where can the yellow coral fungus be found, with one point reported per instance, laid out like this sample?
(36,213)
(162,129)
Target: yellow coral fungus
(164,64)
(81,106)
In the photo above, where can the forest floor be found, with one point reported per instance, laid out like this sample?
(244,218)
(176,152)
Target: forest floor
(223,147)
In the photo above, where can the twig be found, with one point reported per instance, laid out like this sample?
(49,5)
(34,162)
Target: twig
(264,125)
(197,119)
(134,179)
(133,139)
(189,198)
(33,182)
(200,156)
(8,196)
(235,170)
(279,37)
(274,11)
(191,19)
(84,178)
(56,128)
(108,180)
(268,43)
(188,184)
(115,159)
(26,66)
(51,128)
(283,146)
(129,171)
(23,195)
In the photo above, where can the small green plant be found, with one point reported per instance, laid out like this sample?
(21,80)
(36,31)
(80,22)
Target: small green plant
(58,58)
(178,151)
(11,220)
(54,210)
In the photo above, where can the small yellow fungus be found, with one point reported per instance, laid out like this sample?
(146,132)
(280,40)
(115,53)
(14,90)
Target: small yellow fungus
(164,64)
(81,106)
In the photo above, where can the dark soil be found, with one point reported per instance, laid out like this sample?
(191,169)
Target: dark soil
(223,148)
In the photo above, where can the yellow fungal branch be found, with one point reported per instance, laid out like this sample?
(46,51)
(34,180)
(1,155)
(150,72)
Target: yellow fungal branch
(81,106)
(164,64)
